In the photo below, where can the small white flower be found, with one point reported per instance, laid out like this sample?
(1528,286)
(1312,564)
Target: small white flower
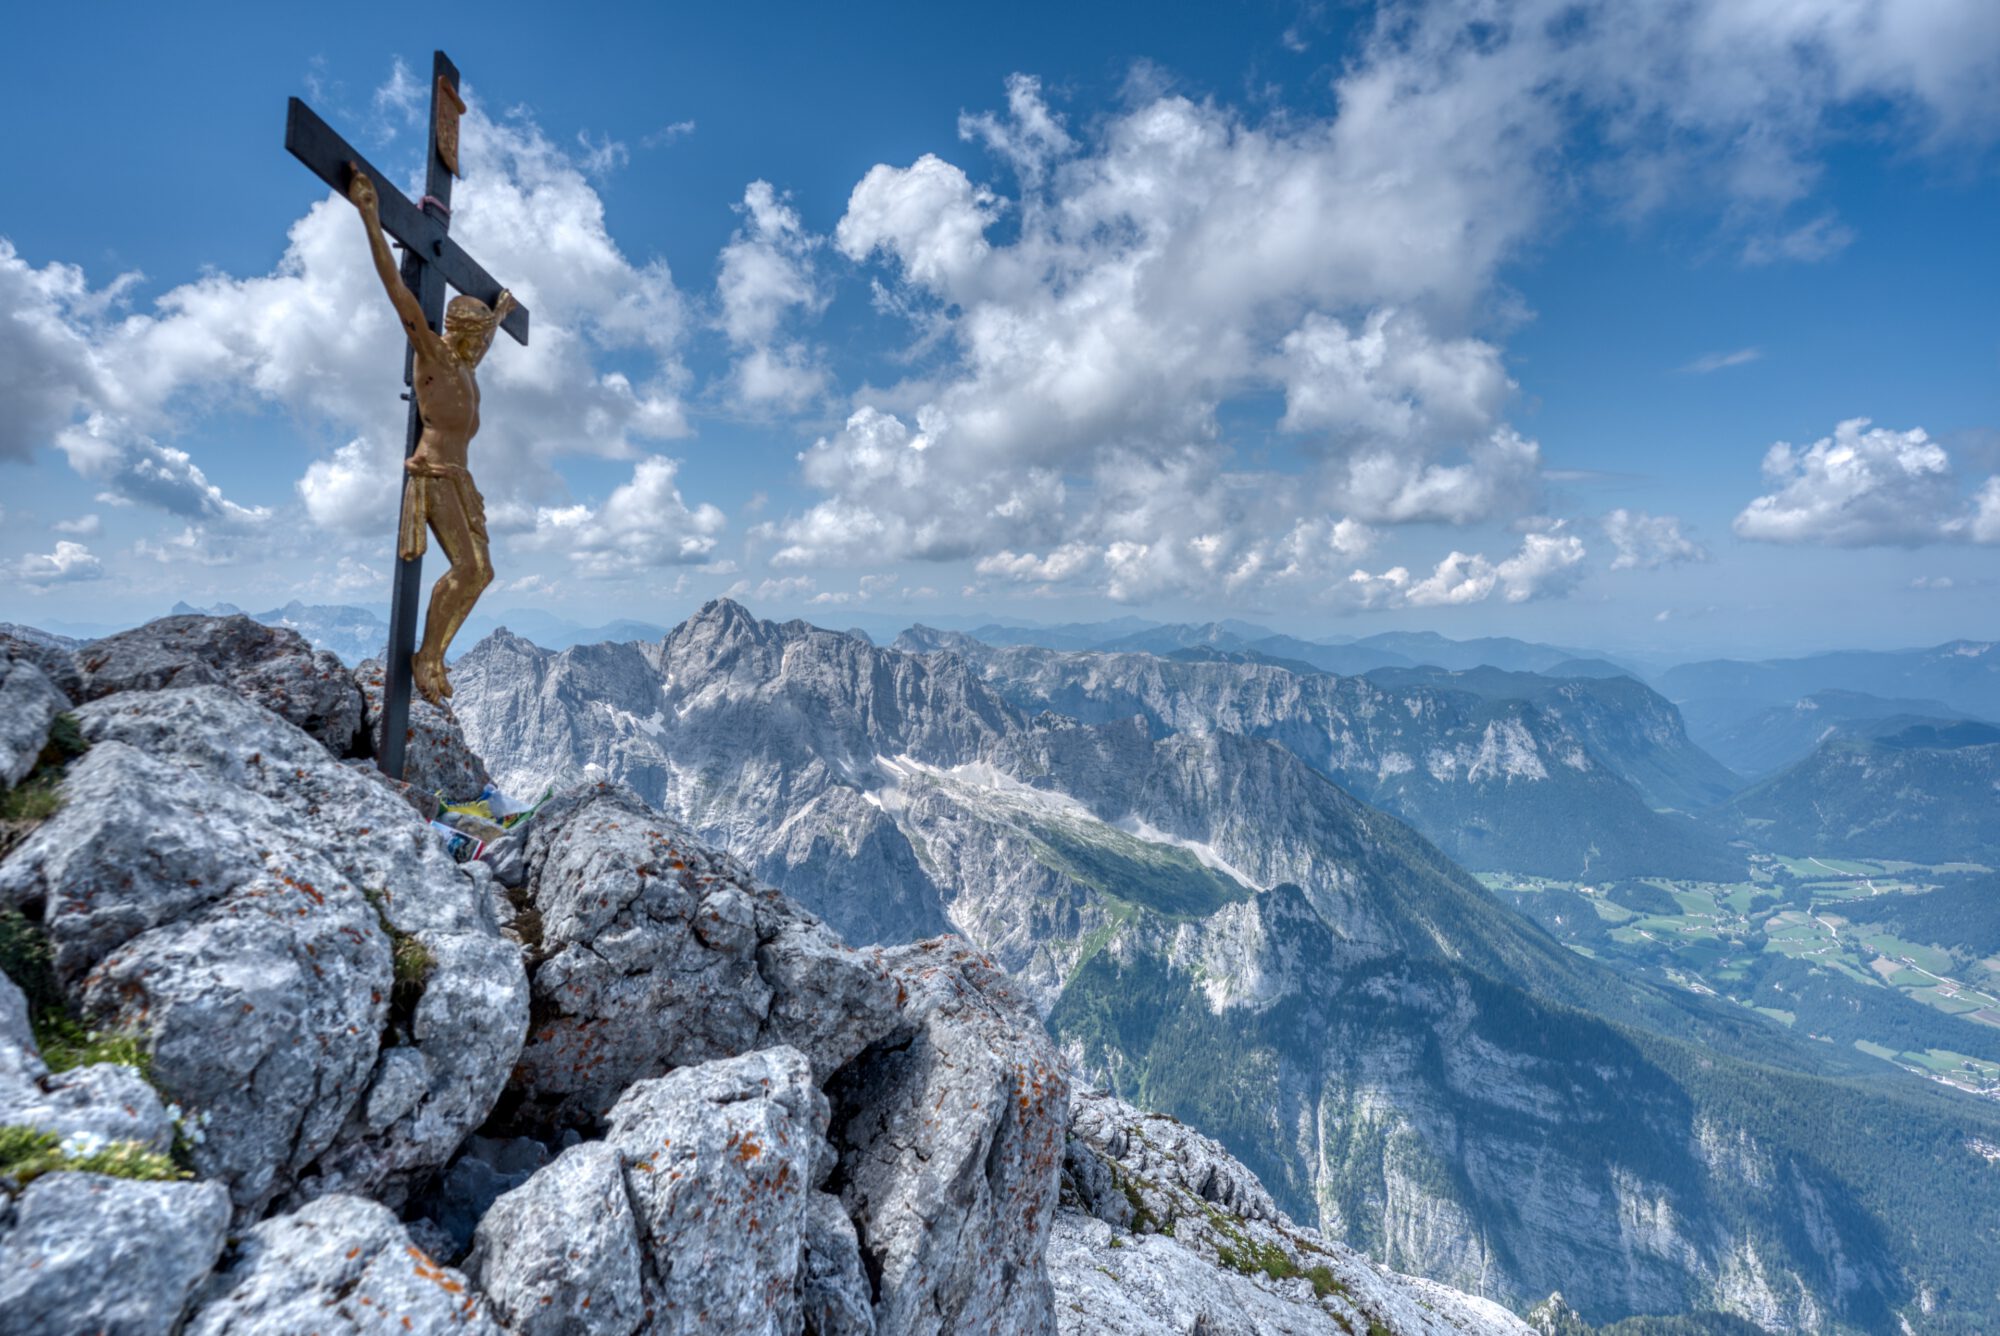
(195,1136)
(81,1145)
(174,1114)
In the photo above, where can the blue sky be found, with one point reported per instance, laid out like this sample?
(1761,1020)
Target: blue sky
(1341,318)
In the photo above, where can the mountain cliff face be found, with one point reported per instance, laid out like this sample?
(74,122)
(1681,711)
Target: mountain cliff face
(1925,790)
(1504,772)
(1216,930)
(1635,730)
(604,1083)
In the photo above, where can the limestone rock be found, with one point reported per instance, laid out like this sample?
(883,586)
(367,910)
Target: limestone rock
(696,1214)
(217,882)
(29,703)
(19,1058)
(55,655)
(559,1255)
(834,1297)
(338,1265)
(1163,1230)
(436,759)
(950,1134)
(87,1253)
(721,1161)
(105,1099)
(272,666)
(654,952)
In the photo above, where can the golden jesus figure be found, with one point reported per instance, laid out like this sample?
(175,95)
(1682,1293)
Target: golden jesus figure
(439,492)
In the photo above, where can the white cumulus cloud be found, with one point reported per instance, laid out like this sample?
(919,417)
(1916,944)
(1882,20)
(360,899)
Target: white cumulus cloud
(1647,542)
(70,563)
(1867,486)
(642,525)
(766,276)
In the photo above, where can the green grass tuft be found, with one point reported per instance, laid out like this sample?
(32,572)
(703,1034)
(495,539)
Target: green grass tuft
(410,962)
(68,1043)
(65,1041)
(26,1153)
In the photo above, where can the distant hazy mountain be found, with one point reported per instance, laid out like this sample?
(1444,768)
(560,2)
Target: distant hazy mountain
(1924,790)
(1776,736)
(1334,654)
(1523,774)
(1069,635)
(1211,924)
(1718,694)
(1432,649)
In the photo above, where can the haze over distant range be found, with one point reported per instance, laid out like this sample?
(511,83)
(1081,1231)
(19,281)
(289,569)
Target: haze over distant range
(1664,330)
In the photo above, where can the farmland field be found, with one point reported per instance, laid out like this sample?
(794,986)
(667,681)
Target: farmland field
(1807,942)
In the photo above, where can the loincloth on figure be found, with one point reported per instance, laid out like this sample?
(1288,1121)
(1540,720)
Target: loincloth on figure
(420,480)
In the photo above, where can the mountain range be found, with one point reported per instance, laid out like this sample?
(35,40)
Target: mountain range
(1777,736)
(1214,927)
(1716,695)
(1551,777)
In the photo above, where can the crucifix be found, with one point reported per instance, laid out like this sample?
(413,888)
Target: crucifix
(445,346)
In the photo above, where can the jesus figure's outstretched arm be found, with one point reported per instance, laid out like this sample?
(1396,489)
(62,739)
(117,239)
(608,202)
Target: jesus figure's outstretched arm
(361,191)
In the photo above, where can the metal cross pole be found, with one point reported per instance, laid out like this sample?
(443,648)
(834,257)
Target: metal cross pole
(431,260)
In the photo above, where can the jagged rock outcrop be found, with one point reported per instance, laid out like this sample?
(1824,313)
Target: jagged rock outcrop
(650,952)
(212,864)
(690,1216)
(950,1132)
(1163,1230)
(272,666)
(718,1117)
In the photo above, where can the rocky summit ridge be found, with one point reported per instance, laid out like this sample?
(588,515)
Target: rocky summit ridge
(270,1061)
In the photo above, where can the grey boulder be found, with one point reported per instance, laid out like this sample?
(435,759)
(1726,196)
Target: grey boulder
(87,1253)
(341,1264)
(560,1255)
(55,655)
(29,704)
(271,665)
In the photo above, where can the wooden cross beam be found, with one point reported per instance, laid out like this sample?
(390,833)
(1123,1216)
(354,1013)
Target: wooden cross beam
(431,260)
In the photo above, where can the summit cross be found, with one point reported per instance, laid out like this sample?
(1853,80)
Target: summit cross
(431,261)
